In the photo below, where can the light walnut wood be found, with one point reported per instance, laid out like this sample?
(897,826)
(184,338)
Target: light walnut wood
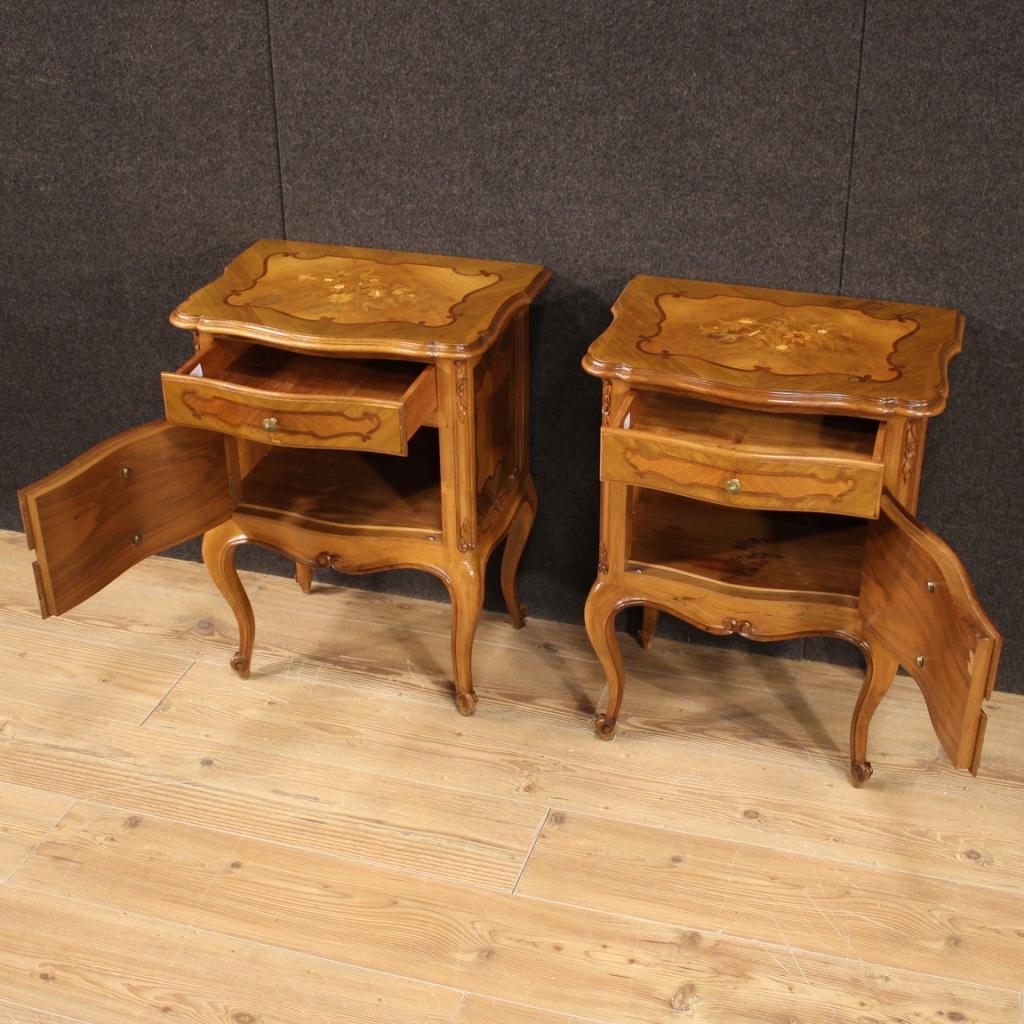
(135,494)
(734,514)
(708,472)
(319,365)
(428,307)
(918,604)
(280,398)
(766,347)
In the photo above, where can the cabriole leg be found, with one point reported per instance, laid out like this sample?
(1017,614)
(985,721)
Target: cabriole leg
(219,546)
(518,534)
(467,595)
(881,671)
(603,603)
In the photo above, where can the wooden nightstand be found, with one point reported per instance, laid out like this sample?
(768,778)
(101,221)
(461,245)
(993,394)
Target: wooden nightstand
(760,465)
(355,408)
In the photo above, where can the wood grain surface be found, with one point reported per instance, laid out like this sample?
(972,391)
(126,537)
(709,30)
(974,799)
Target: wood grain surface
(298,847)
(334,299)
(767,347)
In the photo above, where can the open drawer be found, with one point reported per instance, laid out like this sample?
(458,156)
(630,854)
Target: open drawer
(746,458)
(287,398)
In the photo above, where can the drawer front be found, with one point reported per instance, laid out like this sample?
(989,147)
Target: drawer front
(850,487)
(305,421)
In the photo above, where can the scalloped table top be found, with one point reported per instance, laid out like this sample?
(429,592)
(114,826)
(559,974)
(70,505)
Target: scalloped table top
(336,300)
(765,347)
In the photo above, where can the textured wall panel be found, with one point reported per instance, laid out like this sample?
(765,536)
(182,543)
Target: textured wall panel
(138,156)
(937,215)
(602,139)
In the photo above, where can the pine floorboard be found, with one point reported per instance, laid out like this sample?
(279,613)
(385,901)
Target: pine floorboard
(330,842)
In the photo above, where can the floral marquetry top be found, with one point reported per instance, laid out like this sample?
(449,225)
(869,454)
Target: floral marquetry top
(769,347)
(338,300)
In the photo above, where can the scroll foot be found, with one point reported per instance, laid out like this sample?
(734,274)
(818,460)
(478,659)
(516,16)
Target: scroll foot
(241,665)
(466,703)
(860,773)
(604,727)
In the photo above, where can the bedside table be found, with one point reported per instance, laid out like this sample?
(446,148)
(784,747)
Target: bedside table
(354,408)
(760,464)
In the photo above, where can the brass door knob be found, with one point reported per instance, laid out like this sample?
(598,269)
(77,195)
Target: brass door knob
(270,423)
(733,486)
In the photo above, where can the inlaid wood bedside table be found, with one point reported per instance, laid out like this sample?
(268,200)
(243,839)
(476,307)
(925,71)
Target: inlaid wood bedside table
(760,464)
(355,408)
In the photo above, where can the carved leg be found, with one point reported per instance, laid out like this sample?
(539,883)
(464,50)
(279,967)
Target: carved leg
(881,671)
(219,557)
(518,534)
(599,616)
(467,594)
(650,624)
(304,576)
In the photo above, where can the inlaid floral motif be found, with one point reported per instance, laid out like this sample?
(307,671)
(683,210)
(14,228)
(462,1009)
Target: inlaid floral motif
(347,290)
(757,334)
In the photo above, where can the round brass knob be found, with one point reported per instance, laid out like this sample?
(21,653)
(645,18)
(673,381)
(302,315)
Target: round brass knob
(733,486)
(136,538)
(919,661)
(126,471)
(270,423)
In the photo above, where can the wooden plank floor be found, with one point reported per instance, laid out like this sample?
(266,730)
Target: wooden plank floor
(329,841)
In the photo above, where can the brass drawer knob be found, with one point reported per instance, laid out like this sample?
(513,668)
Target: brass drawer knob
(919,661)
(270,423)
(733,486)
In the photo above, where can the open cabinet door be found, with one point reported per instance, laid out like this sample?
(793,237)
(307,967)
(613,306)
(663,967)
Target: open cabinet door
(129,497)
(918,605)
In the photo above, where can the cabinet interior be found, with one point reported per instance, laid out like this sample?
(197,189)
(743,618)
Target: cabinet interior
(794,551)
(327,489)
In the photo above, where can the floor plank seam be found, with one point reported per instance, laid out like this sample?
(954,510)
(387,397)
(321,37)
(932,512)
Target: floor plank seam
(780,947)
(458,1009)
(533,846)
(35,846)
(170,690)
(343,858)
(98,796)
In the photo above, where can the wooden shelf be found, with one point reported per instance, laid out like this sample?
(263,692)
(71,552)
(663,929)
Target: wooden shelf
(791,551)
(343,490)
(688,419)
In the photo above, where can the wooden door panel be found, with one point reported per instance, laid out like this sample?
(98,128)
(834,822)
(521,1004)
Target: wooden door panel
(131,496)
(918,603)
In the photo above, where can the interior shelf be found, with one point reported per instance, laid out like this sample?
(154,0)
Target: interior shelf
(329,490)
(680,417)
(793,551)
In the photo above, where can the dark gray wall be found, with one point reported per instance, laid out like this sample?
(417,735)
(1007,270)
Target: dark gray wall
(830,147)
